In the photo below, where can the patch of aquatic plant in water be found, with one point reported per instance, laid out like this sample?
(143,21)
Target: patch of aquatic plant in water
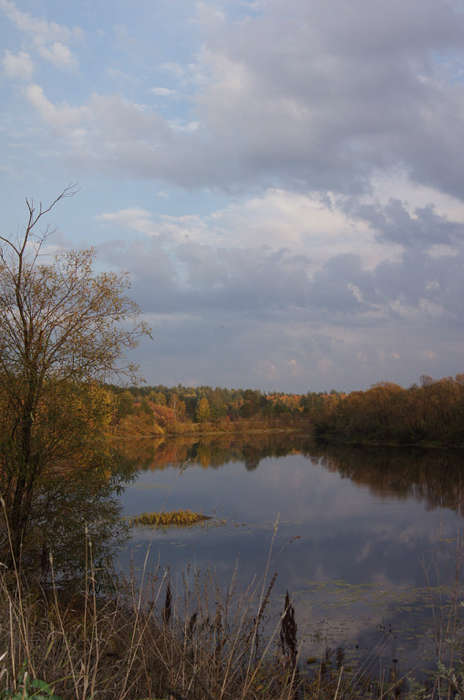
(181,518)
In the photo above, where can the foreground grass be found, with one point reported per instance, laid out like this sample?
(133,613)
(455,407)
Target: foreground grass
(140,639)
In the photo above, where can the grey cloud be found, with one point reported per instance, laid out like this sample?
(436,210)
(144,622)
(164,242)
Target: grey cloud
(254,317)
(332,90)
(193,277)
(394,223)
(153,273)
(286,355)
(342,286)
(320,97)
(263,284)
(225,350)
(432,288)
(245,278)
(449,288)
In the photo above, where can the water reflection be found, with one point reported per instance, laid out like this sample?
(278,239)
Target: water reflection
(364,535)
(433,476)
(76,505)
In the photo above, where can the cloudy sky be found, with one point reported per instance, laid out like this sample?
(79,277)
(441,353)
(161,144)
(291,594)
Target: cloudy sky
(283,179)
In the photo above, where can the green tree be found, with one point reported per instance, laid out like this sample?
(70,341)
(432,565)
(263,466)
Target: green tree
(62,329)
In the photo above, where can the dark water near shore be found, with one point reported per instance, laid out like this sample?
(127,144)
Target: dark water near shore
(365,540)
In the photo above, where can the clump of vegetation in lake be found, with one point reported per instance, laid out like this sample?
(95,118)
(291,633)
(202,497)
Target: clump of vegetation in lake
(180,518)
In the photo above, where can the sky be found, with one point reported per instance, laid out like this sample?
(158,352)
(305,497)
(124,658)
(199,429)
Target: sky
(282,179)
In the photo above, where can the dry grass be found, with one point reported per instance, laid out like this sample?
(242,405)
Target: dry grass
(179,518)
(142,640)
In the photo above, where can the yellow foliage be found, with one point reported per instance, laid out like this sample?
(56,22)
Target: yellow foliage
(180,518)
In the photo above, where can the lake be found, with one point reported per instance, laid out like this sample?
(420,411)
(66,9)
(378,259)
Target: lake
(367,541)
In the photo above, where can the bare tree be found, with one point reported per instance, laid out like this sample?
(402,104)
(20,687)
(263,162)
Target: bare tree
(62,327)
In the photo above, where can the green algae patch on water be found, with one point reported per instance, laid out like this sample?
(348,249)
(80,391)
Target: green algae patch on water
(179,518)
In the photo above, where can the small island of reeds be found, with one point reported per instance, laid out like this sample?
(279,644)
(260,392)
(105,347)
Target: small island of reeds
(179,518)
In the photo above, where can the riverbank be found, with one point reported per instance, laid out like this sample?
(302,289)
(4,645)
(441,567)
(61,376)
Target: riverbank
(238,428)
(338,441)
(128,640)
(347,563)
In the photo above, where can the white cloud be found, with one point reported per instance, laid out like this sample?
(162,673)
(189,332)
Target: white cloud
(208,15)
(58,54)
(173,68)
(61,117)
(280,219)
(182,126)
(304,224)
(46,31)
(276,324)
(133,218)
(120,75)
(48,38)
(18,65)
(106,130)
(163,91)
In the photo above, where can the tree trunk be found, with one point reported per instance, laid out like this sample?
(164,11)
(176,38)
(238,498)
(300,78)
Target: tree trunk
(22,500)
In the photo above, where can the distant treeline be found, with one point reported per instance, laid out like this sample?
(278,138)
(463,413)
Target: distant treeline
(158,410)
(432,413)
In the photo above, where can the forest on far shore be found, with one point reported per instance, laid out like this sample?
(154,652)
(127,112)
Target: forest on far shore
(386,413)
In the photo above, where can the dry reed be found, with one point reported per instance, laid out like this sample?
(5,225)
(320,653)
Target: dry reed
(141,641)
(179,518)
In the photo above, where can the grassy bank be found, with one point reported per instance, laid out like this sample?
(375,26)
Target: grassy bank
(210,430)
(140,639)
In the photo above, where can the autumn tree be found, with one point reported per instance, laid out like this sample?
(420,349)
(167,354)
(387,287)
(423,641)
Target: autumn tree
(63,329)
(203,410)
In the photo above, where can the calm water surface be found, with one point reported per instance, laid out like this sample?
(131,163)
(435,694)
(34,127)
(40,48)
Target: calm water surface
(366,540)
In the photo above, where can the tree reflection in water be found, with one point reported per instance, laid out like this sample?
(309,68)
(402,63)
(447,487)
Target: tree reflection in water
(433,476)
(86,497)
(76,507)
(366,557)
